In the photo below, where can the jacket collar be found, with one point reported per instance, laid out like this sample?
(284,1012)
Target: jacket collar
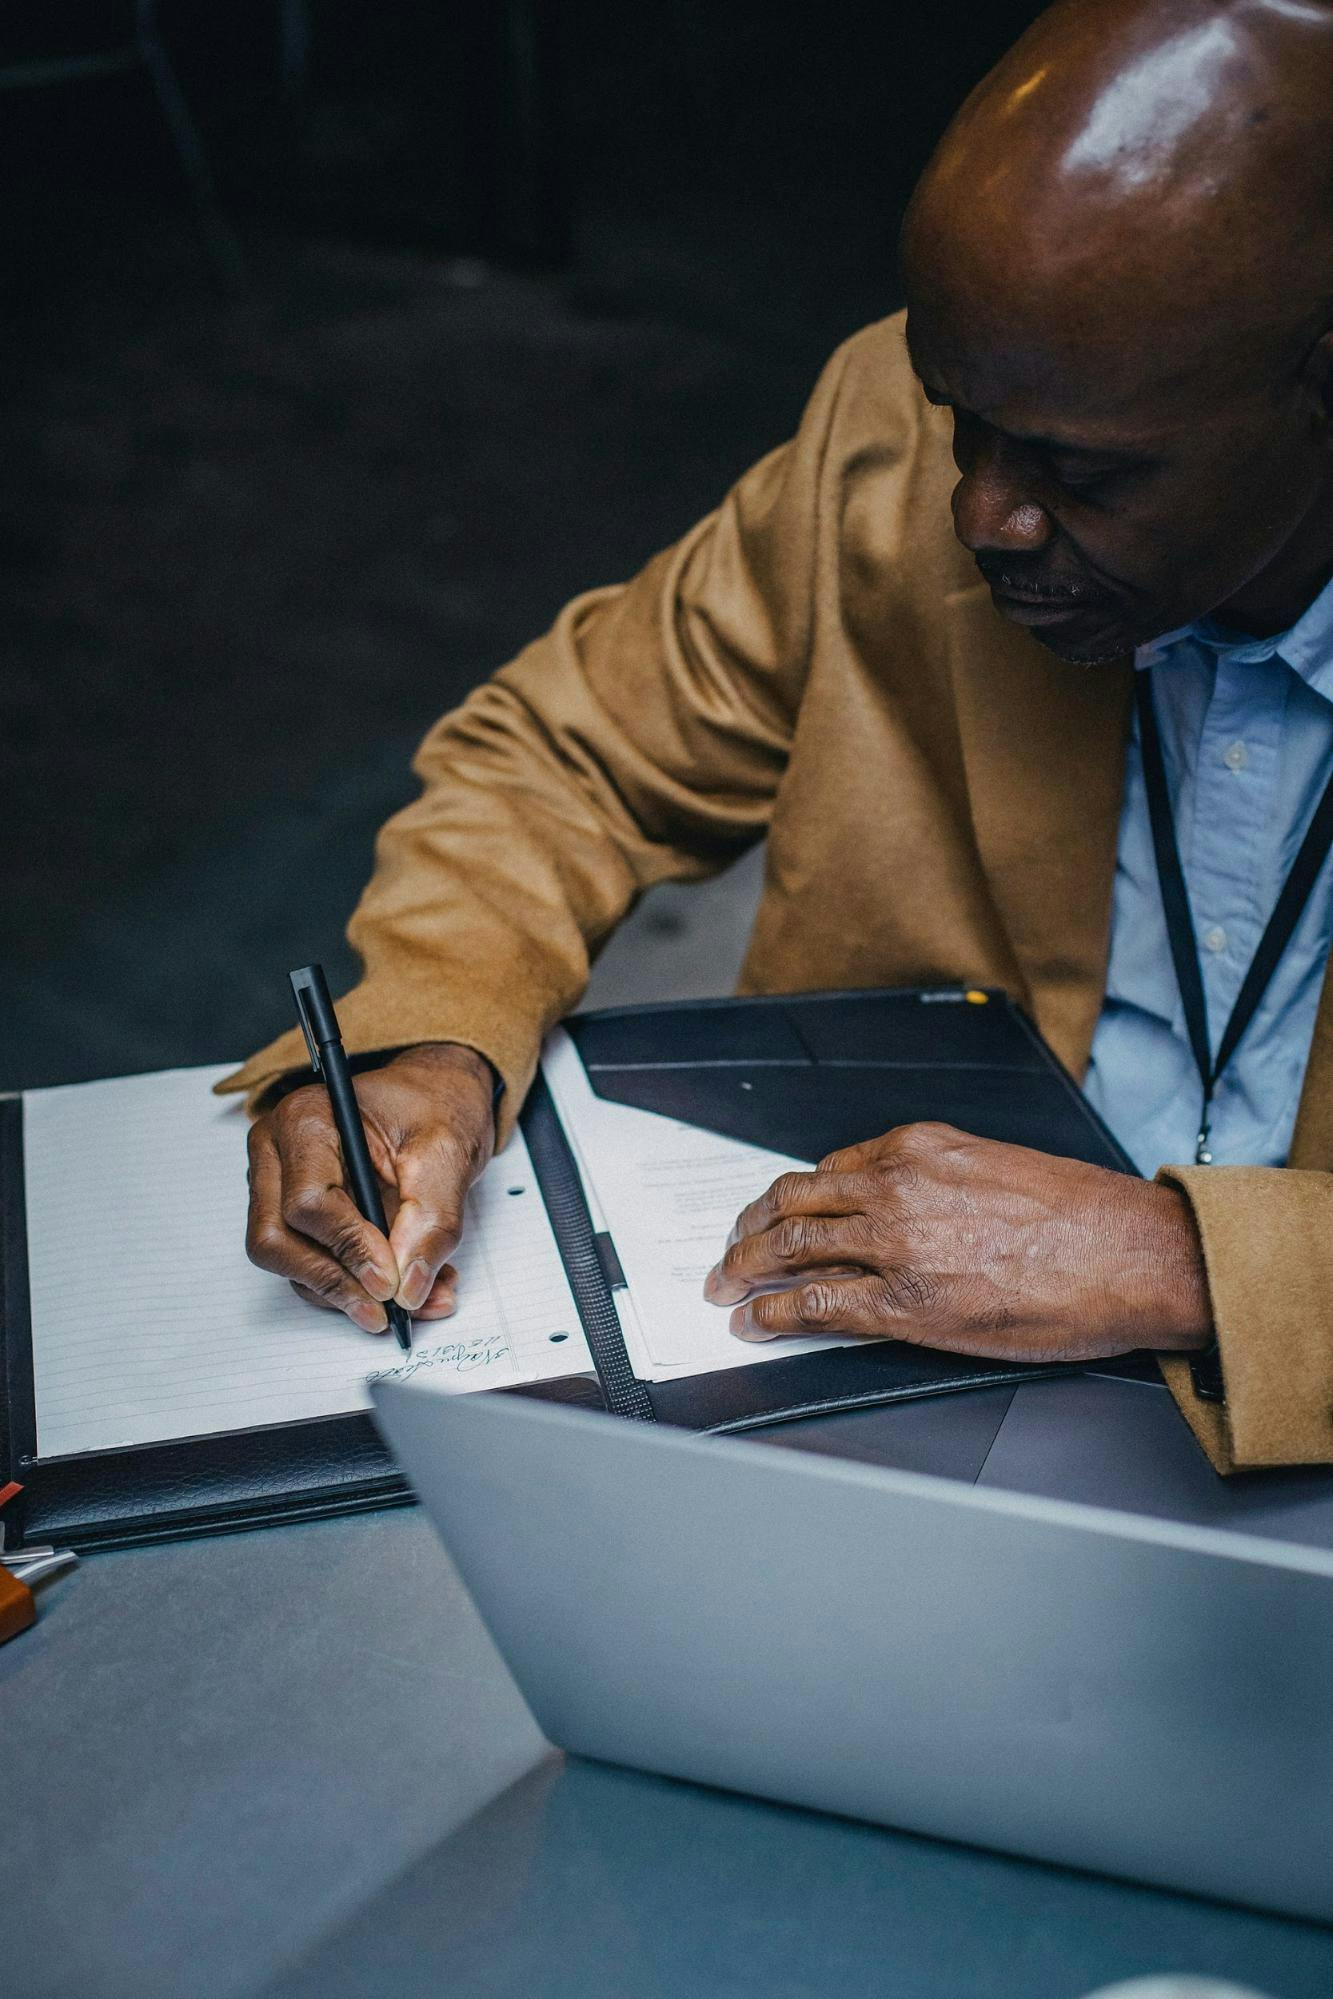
(1043,748)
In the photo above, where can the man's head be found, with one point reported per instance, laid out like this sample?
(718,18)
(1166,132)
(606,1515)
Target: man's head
(1119,269)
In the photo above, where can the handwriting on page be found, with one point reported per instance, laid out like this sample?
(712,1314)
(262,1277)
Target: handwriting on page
(461,1356)
(148,1323)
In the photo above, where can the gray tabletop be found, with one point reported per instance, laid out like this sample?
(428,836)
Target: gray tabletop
(292,1762)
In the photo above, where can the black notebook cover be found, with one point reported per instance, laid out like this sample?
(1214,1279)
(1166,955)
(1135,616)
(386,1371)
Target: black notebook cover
(801,1074)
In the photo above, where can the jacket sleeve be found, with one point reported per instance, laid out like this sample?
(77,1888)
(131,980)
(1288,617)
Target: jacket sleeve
(1267,1236)
(642,739)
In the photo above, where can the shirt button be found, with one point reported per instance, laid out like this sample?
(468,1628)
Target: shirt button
(1236,757)
(1216,938)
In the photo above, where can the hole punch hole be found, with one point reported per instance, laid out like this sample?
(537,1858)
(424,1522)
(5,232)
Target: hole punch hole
(557,1337)
(747,1086)
(516,1190)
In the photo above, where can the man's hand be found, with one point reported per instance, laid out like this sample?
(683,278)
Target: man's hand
(949,1241)
(430,1129)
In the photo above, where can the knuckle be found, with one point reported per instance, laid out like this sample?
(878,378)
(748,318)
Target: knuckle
(735,1257)
(885,1186)
(304,1209)
(865,1233)
(309,1126)
(928,1137)
(752,1217)
(907,1155)
(264,1243)
(792,1239)
(818,1304)
(786,1189)
(345,1242)
(296,1106)
(909,1143)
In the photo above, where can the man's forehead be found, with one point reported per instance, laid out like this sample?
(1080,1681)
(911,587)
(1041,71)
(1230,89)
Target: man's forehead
(1121,388)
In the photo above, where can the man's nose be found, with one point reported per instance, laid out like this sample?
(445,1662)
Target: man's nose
(991,510)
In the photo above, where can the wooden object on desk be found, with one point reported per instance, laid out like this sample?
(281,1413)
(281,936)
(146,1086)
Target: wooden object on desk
(17,1610)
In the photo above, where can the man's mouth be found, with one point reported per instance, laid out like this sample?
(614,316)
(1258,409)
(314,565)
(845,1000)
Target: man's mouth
(1012,583)
(1025,608)
(1028,592)
(1036,607)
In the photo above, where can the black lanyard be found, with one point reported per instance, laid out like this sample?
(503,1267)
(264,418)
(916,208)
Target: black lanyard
(1180,924)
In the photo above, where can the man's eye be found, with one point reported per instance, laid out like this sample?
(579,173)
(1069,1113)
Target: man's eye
(1088,483)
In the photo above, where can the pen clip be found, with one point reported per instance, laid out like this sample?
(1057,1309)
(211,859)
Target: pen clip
(303,1014)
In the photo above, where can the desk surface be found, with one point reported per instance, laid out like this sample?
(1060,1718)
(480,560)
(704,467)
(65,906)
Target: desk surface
(292,1762)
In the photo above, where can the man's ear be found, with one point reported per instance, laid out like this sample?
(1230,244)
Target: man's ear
(1318,372)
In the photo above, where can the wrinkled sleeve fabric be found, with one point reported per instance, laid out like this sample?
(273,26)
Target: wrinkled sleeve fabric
(1267,1235)
(642,739)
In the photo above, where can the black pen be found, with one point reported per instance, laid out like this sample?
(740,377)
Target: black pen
(319,1024)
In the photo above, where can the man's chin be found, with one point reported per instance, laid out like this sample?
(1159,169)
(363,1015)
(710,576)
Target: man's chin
(1097,649)
(1074,634)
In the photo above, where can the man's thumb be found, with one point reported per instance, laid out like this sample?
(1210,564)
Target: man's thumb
(433,1183)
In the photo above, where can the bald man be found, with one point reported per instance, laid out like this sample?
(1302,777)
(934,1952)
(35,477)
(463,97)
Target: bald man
(1021,655)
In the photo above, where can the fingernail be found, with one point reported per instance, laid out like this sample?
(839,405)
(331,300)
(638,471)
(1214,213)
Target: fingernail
(370,1317)
(415,1286)
(376,1281)
(745,1329)
(722,1290)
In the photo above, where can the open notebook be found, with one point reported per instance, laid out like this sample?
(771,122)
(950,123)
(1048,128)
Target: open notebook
(149,1323)
(155,1382)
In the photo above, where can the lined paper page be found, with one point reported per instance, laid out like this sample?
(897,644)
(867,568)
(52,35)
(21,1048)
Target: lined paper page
(149,1323)
(668,1193)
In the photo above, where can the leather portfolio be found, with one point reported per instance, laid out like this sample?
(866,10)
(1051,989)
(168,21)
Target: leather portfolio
(799,1074)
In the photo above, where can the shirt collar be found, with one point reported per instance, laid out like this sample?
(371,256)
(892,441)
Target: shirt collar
(1306,647)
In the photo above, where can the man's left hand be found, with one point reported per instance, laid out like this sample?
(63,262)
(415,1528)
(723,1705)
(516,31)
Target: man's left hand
(932,1236)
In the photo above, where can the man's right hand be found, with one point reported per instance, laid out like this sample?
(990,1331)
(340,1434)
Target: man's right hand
(430,1129)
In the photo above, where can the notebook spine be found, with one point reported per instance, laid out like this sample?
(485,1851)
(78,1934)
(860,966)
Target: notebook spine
(571,1224)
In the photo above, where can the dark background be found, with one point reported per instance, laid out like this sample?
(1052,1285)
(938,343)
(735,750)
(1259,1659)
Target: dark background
(525,285)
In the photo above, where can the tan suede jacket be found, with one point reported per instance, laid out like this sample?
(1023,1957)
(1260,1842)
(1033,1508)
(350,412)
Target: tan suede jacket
(818,661)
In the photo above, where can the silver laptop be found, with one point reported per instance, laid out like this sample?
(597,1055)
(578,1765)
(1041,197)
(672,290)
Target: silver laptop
(1086,1648)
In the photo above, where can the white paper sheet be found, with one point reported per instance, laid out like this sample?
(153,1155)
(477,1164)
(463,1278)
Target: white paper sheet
(668,1193)
(149,1323)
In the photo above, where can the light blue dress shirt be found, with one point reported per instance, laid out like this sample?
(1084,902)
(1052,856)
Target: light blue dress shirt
(1247,738)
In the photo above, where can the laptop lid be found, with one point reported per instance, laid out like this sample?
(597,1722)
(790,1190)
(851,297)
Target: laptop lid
(1064,1681)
